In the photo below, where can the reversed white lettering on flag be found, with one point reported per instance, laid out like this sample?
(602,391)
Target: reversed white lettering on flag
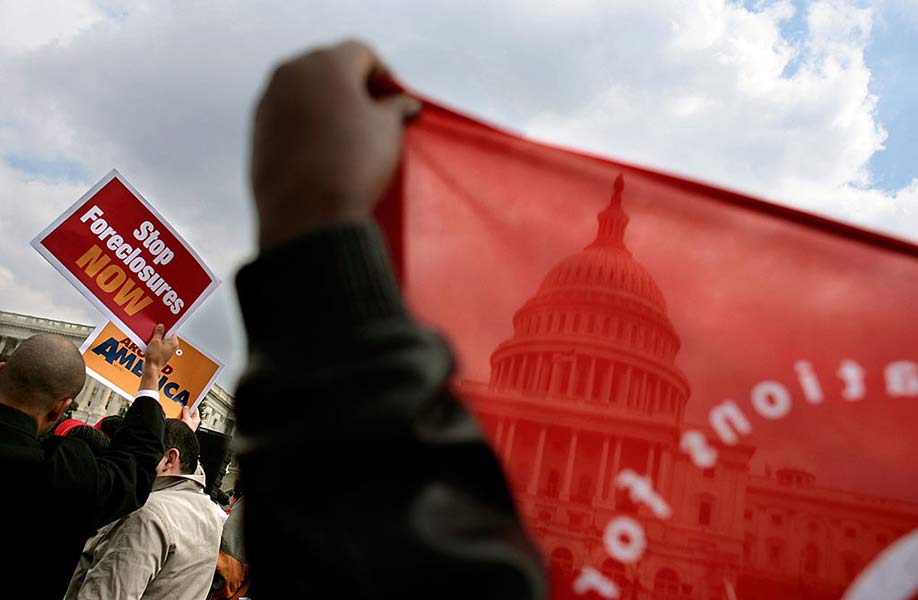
(641,491)
(702,453)
(591,580)
(624,539)
(895,570)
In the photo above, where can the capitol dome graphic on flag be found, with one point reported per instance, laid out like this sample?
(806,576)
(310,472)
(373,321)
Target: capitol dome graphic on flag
(588,386)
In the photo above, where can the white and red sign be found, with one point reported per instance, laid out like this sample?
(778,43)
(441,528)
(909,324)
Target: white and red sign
(126,259)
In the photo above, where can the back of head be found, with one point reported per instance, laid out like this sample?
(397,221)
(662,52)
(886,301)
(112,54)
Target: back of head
(97,441)
(43,370)
(110,424)
(182,438)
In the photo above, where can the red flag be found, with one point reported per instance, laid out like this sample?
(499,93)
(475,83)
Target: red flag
(695,394)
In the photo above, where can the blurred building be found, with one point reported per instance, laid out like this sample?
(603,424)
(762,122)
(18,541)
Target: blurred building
(97,400)
(587,386)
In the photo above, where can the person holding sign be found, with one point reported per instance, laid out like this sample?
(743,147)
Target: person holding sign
(57,493)
(402,496)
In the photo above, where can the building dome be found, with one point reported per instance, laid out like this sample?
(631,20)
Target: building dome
(597,320)
(599,271)
(605,267)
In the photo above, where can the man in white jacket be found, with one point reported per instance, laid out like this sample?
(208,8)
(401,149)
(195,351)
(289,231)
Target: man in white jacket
(165,549)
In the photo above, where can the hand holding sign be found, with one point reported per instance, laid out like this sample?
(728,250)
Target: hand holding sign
(191,417)
(158,353)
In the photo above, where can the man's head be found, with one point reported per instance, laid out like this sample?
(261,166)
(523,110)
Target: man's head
(182,450)
(110,424)
(42,377)
(95,439)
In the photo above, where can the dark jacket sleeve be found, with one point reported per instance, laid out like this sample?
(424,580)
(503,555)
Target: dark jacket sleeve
(363,472)
(120,481)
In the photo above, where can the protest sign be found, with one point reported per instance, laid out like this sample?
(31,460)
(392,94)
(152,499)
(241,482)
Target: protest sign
(115,360)
(126,259)
(694,393)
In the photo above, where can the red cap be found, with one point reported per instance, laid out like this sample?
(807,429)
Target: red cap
(65,426)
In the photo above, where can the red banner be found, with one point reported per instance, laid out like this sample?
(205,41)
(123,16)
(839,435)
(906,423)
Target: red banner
(126,259)
(695,394)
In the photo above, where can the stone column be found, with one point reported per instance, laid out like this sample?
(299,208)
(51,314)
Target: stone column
(537,465)
(536,373)
(509,446)
(521,374)
(537,377)
(639,396)
(666,466)
(616,464)
(553,378)
(569,469)
(606,393)
(601,476)
(625,389)
(572,380)
(591,376)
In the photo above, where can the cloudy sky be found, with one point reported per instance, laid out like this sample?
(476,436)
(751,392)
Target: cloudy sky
(809,104)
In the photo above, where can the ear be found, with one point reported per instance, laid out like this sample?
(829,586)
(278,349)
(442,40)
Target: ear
(47,421)
(173,460)
(58,409)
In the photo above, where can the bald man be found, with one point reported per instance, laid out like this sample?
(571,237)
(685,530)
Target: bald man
(55,494)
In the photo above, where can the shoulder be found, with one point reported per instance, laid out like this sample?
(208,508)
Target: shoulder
(205,506)
(138,535)
(169,503)
(157,507)
(70,465)
(147,523)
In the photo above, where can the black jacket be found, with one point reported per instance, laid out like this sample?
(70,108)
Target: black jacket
(365,477)
(56,494)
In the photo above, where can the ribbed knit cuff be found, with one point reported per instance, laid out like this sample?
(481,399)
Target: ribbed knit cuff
(334,279)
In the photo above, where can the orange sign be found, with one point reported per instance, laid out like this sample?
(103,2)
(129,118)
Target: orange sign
(115,360)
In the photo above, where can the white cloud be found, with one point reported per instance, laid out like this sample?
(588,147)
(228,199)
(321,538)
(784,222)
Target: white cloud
(737,104)
(25,26)
(163,92)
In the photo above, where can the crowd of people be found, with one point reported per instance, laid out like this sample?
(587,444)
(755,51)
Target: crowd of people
(402,496)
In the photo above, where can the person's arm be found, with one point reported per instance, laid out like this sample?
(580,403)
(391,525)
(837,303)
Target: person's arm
(103,489)
(363,471)
(128,468)
(125,559)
